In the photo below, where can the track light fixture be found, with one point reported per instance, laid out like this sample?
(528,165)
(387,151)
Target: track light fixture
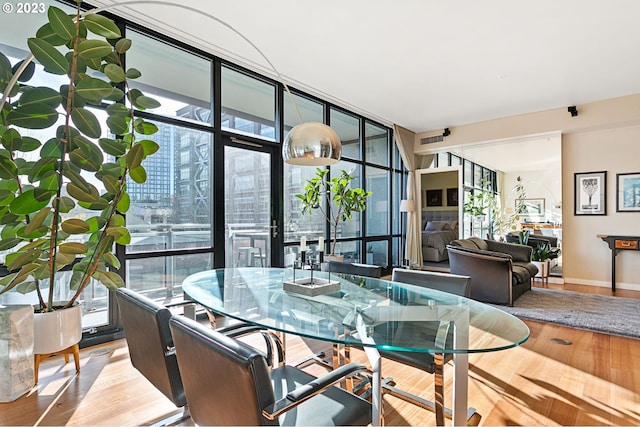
(573,110)
(446,132)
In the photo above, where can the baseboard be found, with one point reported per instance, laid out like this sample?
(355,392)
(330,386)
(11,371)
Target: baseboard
(599,283)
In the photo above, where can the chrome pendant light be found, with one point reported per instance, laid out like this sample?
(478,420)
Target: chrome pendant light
(312,144)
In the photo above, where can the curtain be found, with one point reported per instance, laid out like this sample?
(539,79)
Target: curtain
(413,250)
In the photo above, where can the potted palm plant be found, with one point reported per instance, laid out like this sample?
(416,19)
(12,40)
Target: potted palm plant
(63,196)
(335,199)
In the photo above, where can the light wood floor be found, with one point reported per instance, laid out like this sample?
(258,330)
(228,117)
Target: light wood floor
(594,381)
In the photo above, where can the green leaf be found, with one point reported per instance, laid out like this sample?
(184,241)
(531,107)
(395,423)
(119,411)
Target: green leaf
(8,168)
(76,278)
(83,196)
(86,122)
(117,95)
(94,49)
(113,147)
(30,201)
(75,248)
(133,73)
(138,174)
(78,101)
(87,156)
(118,220)
(148,146)
(110,279)
(47,34)
(52,60)
(40,95)
(18,259)
(118,109)
(118,125)
(37,220)
(111,259)
(66,204)
(33,116)
(6,244)
(40,167)
(81,63)
(102,26)
(27,73)
(93,89)
(96,223)
(124,203)
(63,259)
(114,73)
(145,128)
(75,226)
(111,184)
(78,180)
(52,148)
(61,23)
(29,144)
(134,157)
(123,45)
(146,102)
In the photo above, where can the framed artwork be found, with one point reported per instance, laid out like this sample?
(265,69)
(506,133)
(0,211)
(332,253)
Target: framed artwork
(590,193)
(452,197)
(628,192)
(434,197)
(532,207)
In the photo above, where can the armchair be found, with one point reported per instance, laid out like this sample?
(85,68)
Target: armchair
(500,272)
(252,394)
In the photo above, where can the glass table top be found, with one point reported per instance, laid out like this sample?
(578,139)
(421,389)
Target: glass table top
(393,315)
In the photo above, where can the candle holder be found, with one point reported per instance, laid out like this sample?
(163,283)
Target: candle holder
(310,286)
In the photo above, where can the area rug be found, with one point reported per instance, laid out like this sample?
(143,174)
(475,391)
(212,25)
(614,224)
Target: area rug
(598,313)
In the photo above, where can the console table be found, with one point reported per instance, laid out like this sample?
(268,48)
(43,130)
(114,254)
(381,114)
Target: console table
(617,243)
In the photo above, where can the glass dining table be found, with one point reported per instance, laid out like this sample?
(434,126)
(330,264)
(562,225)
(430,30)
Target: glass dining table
(377,312)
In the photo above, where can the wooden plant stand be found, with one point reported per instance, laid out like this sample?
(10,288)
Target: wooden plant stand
(74,349)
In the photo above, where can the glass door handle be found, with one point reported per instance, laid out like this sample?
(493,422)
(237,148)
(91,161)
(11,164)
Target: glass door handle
(274,228)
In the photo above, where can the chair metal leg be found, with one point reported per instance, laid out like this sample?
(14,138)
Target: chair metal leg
(173,419)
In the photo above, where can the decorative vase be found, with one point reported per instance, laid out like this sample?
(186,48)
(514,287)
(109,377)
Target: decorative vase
(57,330)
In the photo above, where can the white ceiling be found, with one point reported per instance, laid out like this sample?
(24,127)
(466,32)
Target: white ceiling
(424,64)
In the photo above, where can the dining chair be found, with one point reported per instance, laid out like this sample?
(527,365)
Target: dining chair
(248,393)
(430,363)
(151,348)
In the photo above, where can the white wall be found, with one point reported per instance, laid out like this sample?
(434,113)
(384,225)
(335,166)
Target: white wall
(604,137)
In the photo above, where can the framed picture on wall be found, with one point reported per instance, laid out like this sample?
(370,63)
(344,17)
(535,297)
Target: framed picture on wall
(434,197)
(590,193)
(531,206)
(452,197)
(628,192)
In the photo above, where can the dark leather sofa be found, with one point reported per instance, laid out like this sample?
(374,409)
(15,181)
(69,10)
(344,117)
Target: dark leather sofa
(536,240)
(500,272)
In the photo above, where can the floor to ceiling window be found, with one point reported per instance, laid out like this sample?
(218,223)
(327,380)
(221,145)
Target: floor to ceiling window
(219,173)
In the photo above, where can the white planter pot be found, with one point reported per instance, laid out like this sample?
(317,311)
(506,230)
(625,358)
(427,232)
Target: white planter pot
(57,330)
(543,268)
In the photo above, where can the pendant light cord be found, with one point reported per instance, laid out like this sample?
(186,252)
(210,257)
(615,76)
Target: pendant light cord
(96,10)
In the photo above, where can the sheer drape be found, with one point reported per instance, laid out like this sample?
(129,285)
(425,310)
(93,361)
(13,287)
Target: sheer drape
(404,140)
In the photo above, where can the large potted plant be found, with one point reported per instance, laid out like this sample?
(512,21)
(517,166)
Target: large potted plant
(63,197)
(335,199)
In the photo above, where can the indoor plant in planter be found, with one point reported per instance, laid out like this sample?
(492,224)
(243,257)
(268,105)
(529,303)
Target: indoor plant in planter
(63,198)
(540,257)
(335,198)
